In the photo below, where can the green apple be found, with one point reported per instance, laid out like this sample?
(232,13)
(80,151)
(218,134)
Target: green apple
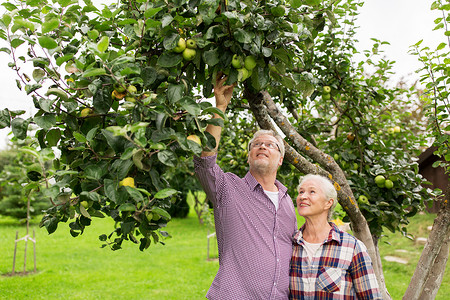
(326,89)
(336,156)
(189,54)
(250,62)
(326,96)
(132,89)
(379,180)
(243,74)
(119,88)
(181,45)
(85,204)
(391,130)
(388,184)
(363,199)
(397,129)
(236,61)
(191,44)
(130,99)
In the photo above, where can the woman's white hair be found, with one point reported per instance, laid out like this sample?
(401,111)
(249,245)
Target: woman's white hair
(268,132)
(326,186)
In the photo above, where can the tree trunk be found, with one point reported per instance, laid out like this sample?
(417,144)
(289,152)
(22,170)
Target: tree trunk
(265,110)
(434,256)
(434,280)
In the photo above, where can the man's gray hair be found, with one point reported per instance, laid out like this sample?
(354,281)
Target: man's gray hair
(326,186)
(268,132)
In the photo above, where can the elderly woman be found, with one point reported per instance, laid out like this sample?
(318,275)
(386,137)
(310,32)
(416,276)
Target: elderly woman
(327,263)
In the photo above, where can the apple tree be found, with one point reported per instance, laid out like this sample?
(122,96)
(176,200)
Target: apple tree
(428,275)
(119,88)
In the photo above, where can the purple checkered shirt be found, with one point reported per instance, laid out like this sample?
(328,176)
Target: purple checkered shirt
(254,239)
(340,269)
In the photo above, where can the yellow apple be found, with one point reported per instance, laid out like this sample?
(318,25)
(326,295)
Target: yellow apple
(128,181)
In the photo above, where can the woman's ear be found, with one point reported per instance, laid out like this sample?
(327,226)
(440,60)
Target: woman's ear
(329,203)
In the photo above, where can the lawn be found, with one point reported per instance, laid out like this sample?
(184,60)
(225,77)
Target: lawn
(77,268)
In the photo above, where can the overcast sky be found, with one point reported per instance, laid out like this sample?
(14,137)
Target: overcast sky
(402,23)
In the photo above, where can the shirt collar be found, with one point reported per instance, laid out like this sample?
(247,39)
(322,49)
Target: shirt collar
(334,234)
(253,183)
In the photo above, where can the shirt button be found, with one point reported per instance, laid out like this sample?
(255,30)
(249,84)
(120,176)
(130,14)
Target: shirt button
(278,259)
(274,283)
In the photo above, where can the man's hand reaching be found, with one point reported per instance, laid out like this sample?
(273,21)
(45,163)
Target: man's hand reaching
(222,93)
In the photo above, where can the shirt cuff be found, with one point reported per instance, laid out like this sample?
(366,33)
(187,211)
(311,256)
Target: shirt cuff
(205,162)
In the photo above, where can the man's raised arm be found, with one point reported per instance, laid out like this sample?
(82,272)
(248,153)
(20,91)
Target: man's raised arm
(222,94)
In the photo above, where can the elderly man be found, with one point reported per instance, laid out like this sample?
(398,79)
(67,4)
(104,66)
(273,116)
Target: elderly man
(254,216)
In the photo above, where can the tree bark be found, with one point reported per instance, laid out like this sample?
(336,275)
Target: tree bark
(434,280)
(434,256)
(265,110)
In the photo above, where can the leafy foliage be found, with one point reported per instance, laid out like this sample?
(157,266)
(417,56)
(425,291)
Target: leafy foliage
(117,101)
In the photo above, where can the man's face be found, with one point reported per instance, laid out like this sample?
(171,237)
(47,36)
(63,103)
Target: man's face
(265,155)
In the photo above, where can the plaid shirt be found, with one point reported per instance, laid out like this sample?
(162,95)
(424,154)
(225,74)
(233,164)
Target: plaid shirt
(254,239)
(340,269)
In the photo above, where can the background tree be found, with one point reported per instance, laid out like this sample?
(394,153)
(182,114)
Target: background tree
(119,89)
(428,275)
(16,196)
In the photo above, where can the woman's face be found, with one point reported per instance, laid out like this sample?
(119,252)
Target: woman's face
(311,200)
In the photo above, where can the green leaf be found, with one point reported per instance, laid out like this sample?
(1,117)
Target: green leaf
(58,93)
(161,212)
(46,121)
(79,137)
(84,212)
(166,20)
(53,137)
(111,190)
(127,207)
(38,74)
(102,101)
(191,106)
(171,41)
(296,3)
(5,119)
(168,158)
(242,36)
(63,59)
(211,57)
(29,88)
(149,13)
(47,42)
(6,18)
(175,92)
(135,194)
(94,72)
(165,193)
(103,44)
(24,23)
(50,25)
(169,59)
(94,172)
(16,43)
(19,128)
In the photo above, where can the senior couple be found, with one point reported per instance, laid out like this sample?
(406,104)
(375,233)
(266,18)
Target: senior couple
(262,255)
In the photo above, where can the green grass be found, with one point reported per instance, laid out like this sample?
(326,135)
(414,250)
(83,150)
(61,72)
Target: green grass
(397,275)
(76,268)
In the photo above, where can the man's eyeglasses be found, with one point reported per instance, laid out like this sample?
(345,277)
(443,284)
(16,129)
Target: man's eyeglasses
(270,145)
